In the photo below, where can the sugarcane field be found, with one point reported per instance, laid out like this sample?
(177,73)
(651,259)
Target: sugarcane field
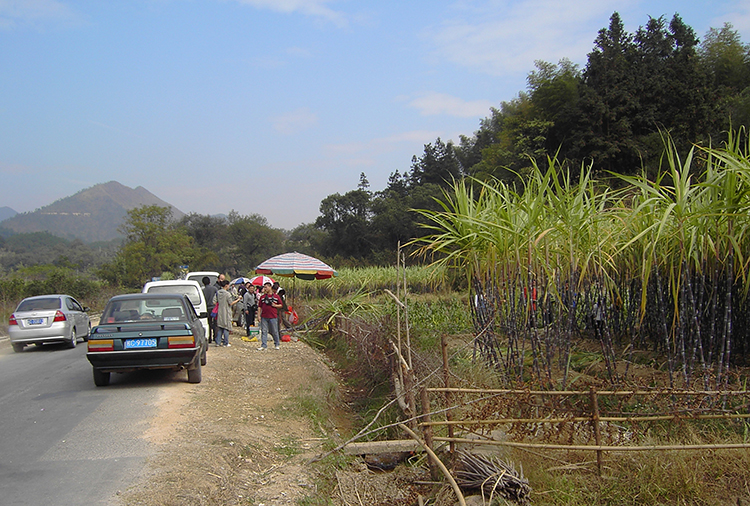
(595,353)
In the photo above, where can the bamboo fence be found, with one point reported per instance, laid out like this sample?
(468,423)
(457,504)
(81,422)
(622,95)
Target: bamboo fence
(593,418)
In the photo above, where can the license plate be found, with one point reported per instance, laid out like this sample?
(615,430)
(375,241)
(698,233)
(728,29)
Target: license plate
(35,321)
(140,343)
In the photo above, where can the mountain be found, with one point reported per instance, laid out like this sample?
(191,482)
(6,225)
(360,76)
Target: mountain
(6,212)
(93,214)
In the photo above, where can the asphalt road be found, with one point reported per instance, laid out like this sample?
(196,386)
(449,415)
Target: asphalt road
(64,441)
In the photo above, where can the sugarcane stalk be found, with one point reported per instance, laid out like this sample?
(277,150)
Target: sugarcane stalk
(663,319)
(681,321)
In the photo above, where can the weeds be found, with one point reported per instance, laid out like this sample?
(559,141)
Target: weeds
(287,447)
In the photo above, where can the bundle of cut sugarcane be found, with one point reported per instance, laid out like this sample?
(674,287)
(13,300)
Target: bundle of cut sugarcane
(493,476)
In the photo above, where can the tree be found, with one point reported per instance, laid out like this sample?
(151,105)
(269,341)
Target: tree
(609,101)
(207,231)
(688,99)
(307,239)
(153,245)
(726,58)
(521,135)
(394,219)
(554,98)
(469,151)
(346,220)
(364,184)
(438,165)
(250,240)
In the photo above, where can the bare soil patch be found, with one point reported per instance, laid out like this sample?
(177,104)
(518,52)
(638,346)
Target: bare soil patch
(242,436)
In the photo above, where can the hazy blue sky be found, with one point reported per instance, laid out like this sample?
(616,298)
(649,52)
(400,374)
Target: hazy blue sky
(268,106)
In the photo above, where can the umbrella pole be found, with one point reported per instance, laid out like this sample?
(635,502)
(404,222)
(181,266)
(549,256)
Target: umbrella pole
(294,290)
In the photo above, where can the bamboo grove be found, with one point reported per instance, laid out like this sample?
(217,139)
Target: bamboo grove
(660,264)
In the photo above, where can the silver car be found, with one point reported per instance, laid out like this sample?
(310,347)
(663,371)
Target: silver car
(48,319)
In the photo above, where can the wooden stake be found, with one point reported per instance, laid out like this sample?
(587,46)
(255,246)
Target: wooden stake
(448,395)
(427,431)
(597,429)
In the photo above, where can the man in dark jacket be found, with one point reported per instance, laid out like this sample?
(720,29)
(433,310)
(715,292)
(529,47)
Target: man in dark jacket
(209,291)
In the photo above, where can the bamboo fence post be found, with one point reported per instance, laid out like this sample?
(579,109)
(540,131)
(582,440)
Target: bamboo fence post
(398,305)
(398,293)
(411,399)
(597,428)
(427,431)
(406,318)
(448,395)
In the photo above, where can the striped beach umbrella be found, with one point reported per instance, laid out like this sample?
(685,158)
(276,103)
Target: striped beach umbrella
(296,265)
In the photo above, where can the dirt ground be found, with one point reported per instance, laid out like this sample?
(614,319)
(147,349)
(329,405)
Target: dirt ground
(244,435)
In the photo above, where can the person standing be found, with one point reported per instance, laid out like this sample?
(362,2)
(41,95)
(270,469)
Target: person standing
(237,314)
(284,308)
(219,280)
(224,317)
(209,291)
(269,304)
(250,304)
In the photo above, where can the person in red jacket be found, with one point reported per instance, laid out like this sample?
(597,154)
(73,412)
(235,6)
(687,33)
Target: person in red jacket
(269,304)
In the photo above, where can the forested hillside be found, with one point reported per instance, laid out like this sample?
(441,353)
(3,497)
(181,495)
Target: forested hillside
(93,214)
(612,115)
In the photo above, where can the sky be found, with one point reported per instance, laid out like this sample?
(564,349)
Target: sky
(269,106)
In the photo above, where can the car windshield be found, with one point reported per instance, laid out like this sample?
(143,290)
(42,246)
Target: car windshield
(39,304)
(143,310)
(190,290)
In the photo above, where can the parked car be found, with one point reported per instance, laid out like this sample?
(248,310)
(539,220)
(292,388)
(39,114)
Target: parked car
(192,289)
(48,319)
(147,331)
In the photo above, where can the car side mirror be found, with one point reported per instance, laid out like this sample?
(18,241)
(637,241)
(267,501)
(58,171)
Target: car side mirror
(86,309)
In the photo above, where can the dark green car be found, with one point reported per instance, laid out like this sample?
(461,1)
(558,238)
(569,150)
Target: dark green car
(147,331)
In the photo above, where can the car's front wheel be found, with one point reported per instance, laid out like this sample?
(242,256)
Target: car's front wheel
(88,334)
(101,379)
(72,340)
(195,373)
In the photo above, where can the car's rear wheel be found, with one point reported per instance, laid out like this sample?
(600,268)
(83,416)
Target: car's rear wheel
(72,340)
(203,356)
(195,374)
(17,347)
(101,379)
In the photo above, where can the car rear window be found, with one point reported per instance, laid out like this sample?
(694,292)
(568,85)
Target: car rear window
(39,304)
(199,278)
(190,290)
(144,310)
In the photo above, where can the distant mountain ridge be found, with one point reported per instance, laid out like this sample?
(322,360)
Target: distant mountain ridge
(6,212)
(92,214)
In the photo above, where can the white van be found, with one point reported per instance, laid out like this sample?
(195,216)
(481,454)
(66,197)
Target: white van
(198,276)
(191,288)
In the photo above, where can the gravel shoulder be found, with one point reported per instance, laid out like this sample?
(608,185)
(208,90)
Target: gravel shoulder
(243,435)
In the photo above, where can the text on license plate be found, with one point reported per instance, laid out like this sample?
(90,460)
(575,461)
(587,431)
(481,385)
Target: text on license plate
(35,321)
(149,342)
